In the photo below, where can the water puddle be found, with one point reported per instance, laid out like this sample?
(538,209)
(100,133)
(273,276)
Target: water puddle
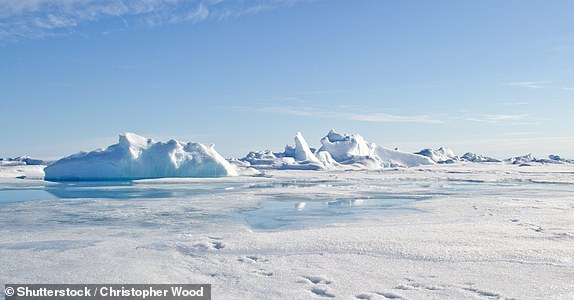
(282,214)
(24,195)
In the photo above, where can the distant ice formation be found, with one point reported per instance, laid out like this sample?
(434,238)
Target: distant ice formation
(527,159)
(441,155)
(22,160)
(337,150)
(473,157)
(136,157)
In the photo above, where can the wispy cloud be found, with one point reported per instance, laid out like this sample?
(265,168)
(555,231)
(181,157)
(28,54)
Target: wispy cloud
(343,113)
(567,88)
(40,18)
(529,84)
(383,117)
(356,113)
(496,118)
(323,92)
(514,103)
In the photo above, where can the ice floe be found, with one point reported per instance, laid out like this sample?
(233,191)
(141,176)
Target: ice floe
(136,157)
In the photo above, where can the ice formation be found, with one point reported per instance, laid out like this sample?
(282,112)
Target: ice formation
(302,150)
(440,155)
(401,159)
(337,150)
(345,147)
(527,159)
(23,160)
(473,157)
(136,157)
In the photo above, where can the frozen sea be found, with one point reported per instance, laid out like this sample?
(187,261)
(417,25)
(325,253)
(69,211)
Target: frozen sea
(464,231)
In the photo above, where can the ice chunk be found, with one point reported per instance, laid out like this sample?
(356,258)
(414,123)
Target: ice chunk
(343,147)
(338,150)
(23,160)
(302,150)
(440,155)
(265,157)
(527,159)
(401,159)
(136,157)
(520,160)
(326,159)
(473,157)
(557,158)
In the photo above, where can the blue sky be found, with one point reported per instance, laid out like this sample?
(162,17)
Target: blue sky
(493,77)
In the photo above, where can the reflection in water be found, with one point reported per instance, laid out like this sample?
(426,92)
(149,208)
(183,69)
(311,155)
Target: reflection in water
(122,190)
(283,212)
(24,195)
(269,205)
(346,202)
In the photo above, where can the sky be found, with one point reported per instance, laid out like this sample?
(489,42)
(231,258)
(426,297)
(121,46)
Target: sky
(491,77)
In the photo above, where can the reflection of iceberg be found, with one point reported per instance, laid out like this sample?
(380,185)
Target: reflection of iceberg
(120,190)
(136,157)
(300,205)
(346,202)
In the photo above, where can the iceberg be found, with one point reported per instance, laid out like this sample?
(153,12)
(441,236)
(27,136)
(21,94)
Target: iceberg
(337,150)
(441,155)
(344,147)
(526,160)
(558,159)
(136,157)
(302,150)
(353,149)
(473,157)
(396,158)
(23,160)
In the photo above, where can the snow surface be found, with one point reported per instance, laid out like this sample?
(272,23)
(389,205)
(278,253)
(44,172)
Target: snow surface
(448,231)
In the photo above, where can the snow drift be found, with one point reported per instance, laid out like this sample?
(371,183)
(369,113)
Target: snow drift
(136,157)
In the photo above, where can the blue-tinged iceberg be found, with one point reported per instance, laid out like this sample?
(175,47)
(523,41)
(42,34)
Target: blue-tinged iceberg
(136,157)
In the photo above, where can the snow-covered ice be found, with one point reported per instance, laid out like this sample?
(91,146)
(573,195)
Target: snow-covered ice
(442,231)
(440,155)
(136,157)
(349,220)
(473,157)
(337,151)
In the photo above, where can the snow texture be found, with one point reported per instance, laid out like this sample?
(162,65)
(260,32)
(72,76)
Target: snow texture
(466,227)
(136,157)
